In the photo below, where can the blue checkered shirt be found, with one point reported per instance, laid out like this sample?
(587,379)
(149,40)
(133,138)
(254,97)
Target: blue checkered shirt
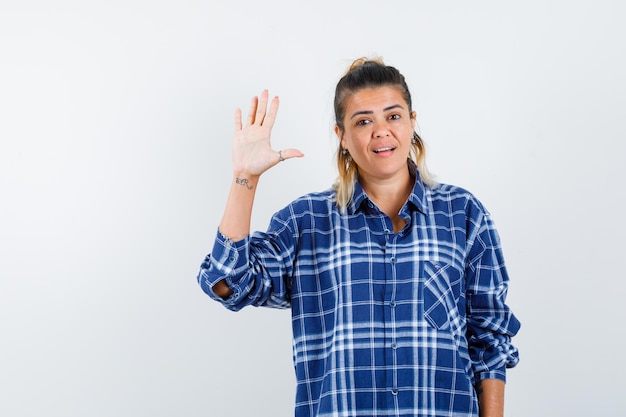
(384,323)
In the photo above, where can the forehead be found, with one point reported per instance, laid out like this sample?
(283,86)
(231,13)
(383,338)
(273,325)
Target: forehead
(375,98)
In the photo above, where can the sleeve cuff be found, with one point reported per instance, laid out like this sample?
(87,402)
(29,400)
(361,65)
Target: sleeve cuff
(229,257)
(226,261)
(499,373)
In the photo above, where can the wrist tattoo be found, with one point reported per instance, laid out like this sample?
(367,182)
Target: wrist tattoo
(244,182)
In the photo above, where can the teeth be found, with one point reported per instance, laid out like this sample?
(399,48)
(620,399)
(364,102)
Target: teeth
(383,149)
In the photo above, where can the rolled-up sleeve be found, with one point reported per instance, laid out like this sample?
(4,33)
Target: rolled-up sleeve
(255,269)
(490,322)
(225,263)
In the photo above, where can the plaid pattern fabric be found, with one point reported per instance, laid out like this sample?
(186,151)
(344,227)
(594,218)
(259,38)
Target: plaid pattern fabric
(384,323)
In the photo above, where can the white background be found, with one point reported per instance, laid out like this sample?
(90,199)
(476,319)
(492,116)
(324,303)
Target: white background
(115,127)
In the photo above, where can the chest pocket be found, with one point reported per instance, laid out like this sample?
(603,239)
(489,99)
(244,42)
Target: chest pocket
(444,297)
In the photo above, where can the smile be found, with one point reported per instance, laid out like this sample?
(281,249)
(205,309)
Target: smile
(388,148)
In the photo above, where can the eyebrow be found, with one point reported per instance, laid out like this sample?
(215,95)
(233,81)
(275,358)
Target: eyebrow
(371,112)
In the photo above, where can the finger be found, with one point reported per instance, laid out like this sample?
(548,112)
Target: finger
(253,106)
(261,108)
(270,118)
(238,119)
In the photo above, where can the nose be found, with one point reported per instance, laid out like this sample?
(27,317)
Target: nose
(381,130)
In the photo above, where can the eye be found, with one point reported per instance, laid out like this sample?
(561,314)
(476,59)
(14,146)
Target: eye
(362,122)
(394,116)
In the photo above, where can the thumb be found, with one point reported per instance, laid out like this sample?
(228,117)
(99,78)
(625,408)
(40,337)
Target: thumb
(289,153)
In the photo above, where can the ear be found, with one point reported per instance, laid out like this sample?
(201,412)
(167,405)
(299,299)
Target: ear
(339,134)
(413,119)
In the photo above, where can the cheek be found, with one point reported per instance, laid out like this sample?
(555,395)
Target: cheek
(347,139)
(354,143)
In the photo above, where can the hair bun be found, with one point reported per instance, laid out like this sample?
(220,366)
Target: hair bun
(359,62)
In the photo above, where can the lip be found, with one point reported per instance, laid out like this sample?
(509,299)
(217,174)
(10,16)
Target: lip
(384,149)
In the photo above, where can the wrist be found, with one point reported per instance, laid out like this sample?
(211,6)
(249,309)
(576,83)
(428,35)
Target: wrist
(245,174)
(246,181)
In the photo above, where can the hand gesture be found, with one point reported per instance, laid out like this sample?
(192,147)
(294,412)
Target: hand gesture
(252,150)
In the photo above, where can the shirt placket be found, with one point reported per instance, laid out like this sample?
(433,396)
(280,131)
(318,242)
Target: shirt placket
(390,305)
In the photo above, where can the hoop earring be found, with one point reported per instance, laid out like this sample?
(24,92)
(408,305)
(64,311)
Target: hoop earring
(415,139)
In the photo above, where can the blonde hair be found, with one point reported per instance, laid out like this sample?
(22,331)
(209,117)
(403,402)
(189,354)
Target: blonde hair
(370,73)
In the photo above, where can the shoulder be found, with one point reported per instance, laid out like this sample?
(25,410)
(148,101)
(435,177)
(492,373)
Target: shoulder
(455,197)
(320,203)
(321,199)
(311,212)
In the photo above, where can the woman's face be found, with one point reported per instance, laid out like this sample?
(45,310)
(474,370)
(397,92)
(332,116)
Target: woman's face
(378,129)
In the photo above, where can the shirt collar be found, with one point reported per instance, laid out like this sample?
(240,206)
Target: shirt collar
(416,198)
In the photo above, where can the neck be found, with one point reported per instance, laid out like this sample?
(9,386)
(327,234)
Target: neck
(389,194)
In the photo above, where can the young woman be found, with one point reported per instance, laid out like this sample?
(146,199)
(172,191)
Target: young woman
(396,284)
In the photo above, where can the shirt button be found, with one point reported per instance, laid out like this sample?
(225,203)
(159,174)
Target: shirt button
(394,346)
(370,205)
(387,231)
(392,260)
(231,258)
(392,304)
(394,391)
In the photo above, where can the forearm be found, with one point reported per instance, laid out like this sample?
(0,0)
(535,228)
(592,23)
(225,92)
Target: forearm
(235,224)
(490,397)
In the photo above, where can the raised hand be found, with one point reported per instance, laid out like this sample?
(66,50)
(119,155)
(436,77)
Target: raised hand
(252,149)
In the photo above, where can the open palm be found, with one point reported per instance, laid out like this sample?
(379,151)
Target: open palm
(252,149)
